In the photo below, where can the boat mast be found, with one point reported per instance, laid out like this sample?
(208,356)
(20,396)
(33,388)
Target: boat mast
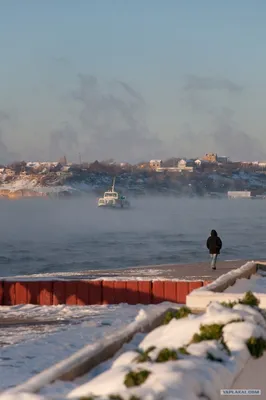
(113,186)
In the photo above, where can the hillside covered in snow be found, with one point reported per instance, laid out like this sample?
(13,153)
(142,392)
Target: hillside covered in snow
(41,179)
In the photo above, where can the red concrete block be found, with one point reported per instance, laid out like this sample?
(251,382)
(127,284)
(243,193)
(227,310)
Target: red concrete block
(145,292)
(182,290)
(71,293)
(194,285)
(170,293)
(46,293)
(1,293)
(33,292)
(9,293)
(59,293)
(157,292)
(108,296)
(205,283)
(132,292)
(120,292)
(83,293)
(21,296)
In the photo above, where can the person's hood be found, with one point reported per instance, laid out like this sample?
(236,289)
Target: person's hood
(214,233)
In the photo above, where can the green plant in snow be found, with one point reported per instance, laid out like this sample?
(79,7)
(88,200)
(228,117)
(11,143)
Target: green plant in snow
(183,350)
(250,300)
(166,355)
(235,321)
(88,398)
(208,332)
(144,355)
(229,304)
(136,378)
(211,357)
(256,346)
(181,313)
(118,397)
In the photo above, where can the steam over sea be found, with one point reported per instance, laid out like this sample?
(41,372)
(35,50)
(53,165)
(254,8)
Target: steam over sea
(40,235)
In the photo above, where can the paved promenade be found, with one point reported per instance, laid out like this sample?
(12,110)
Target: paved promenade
(193,271)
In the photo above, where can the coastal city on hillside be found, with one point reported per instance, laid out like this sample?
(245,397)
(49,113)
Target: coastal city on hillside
(209,176)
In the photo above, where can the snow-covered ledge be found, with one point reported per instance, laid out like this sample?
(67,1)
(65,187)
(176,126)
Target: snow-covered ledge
(199,299)
(189,358)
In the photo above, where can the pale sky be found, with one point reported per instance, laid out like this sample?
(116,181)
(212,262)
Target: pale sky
(132,79)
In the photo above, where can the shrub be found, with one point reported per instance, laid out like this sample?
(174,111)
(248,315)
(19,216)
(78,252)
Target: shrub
(144,355)
(229,304)
(208,332)
(166,355)
(181,313)
(249,300)
(236,320)
(211,357)
(256,346)
(136,378)
(183,350)
(88,398)
(117,397)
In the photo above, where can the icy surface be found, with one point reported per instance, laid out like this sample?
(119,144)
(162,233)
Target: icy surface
(28,349)
(256,284)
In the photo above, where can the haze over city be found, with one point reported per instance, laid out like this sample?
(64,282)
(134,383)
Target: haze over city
(132,80)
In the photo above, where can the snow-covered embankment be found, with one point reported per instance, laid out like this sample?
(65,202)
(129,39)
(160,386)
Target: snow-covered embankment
(188,358)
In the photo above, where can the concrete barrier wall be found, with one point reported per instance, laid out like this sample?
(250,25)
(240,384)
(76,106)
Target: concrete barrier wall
(95,292)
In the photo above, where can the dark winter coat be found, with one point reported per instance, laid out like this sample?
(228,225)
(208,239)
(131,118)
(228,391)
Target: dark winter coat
(214,243)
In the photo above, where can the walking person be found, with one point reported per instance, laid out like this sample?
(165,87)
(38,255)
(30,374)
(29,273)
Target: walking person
(214,245)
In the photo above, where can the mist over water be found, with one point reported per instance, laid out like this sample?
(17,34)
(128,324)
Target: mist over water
(39,236)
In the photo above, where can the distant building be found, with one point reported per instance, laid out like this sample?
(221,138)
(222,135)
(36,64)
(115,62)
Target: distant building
(222,160)
(154,164)
(143,165)
(168,169)
(186,165)
(9,172)
(199,162)
(210,157)
(240,194)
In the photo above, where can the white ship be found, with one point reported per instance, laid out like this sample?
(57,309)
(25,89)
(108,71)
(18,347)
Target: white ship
(113,199)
